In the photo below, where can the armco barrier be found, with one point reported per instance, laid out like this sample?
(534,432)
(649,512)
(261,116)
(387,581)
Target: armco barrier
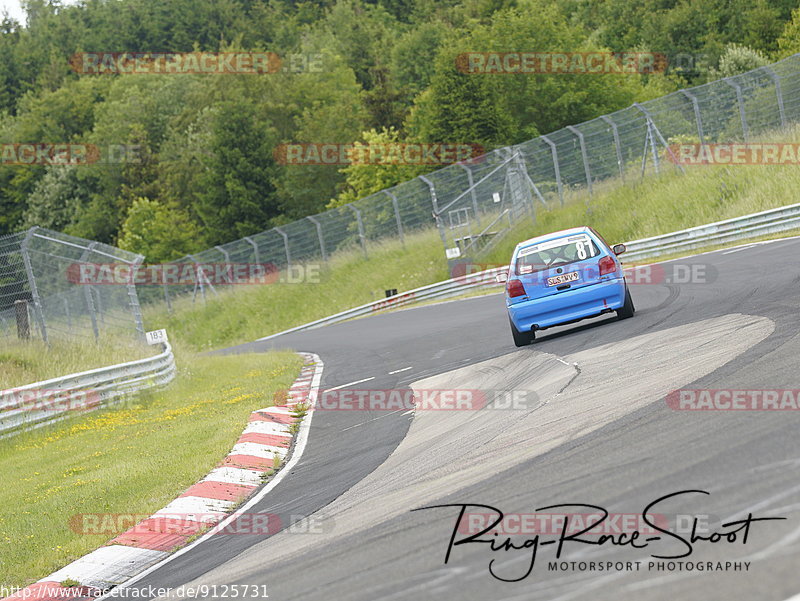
(438,290)
(48,401)
(721,232)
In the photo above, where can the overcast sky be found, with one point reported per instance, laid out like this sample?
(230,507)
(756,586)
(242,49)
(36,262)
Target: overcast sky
(13,9)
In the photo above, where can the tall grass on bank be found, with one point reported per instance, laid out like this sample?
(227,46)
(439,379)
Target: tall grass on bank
(132,459)
(24,362)
(245,313)
(668,202)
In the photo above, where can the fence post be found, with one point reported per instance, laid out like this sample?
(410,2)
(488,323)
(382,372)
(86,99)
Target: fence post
(133,299)
(396,208)
(585,157)
(23,323)
(361,235)
(617,145)
(253,243)
(286,247)
(198,278)
(196,285)
(650,138)
(37,301)
(224,253)
(556,168)
(166,297)
(777,81)
(653,148)
(87,294)
(697,118)
(740,101)
(652,133)
(227,257)
(471,182)
(524,169)
(99,307)
(319,235)
(435,204)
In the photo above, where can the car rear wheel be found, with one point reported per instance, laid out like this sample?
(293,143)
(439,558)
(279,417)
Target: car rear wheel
(521,338)
(627,310)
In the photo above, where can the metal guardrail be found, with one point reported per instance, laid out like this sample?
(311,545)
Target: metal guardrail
(48,401)
(444,289)
(730,230)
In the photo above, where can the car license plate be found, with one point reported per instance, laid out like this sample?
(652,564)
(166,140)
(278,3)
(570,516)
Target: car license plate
(563,278)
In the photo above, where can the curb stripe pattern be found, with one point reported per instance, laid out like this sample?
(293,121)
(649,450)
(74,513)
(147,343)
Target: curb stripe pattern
(263,445)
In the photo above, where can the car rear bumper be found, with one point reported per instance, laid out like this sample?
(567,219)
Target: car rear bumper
(572,305)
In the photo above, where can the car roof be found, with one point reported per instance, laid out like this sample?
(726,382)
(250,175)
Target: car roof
(553,235)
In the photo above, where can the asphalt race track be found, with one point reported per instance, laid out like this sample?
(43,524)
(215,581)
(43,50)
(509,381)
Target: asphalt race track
(596,430)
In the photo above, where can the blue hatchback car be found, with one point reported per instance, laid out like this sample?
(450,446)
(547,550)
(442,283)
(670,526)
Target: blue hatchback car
(561,278)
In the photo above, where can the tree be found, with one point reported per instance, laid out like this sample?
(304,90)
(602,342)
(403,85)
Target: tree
(325,107)
(738,59)
(459,108)
(789,41)
(364,179)
(158,232)
(411,61)
(56,199)
(237,196)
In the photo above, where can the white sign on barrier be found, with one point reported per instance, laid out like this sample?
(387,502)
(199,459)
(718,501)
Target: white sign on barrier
(156,336)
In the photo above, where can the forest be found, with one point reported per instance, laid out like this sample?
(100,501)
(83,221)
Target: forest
(199,165)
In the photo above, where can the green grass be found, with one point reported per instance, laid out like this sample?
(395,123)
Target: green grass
(24,362)
(668,202)
(134,459)
(249,312)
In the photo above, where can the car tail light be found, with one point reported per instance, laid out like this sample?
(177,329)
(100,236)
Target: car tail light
(514,288)
(607,265)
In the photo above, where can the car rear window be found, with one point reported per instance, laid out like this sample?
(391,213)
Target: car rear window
(555,252)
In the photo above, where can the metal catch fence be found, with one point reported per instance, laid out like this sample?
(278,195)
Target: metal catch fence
(43,294)
(474,204)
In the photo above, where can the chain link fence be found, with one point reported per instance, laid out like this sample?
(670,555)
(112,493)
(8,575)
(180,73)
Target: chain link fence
(42,295)
(474,204)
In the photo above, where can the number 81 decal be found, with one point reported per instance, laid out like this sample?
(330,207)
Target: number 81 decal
(585,249)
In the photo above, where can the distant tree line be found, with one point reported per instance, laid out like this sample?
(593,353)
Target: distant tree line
(205,169)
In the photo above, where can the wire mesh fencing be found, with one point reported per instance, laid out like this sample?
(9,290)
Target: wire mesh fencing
(473,204)
(55,286)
